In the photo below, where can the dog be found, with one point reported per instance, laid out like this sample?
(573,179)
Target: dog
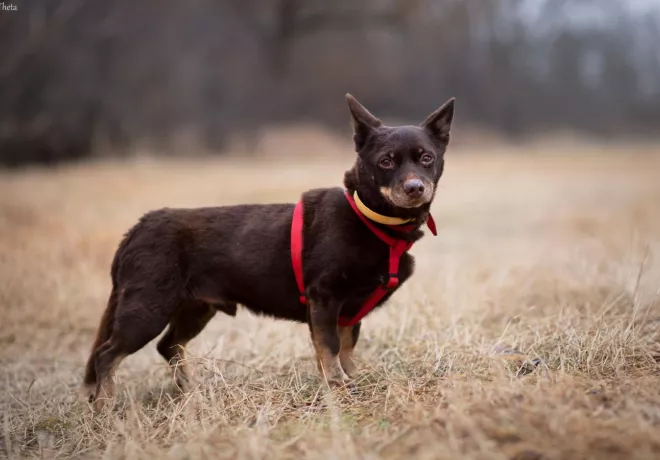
(327,261)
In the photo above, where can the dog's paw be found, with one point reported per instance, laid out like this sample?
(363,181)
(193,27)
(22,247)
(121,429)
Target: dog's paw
(86,392)
(102,404)
(350,369)
(185,383)
(341,381)
(351,387)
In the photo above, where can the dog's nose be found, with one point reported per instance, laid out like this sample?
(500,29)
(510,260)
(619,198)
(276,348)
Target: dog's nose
(413,188)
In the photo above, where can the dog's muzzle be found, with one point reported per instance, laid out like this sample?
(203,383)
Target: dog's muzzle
(412,193)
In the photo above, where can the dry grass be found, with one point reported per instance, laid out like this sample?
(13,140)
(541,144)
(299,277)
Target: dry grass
(555,256)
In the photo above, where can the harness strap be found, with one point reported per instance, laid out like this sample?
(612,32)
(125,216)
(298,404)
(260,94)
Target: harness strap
(296,249)
(397,249)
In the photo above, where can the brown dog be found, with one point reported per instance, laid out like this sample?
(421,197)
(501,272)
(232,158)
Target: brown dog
(343,254)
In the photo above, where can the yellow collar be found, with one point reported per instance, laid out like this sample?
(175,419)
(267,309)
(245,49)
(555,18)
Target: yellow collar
(381,219)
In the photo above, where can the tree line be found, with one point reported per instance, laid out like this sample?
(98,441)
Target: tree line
(77,75)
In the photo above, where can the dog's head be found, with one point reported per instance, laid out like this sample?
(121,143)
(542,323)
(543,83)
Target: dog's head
(398,168)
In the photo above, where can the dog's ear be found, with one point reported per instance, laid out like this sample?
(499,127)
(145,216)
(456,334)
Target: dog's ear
(438,123)
(363,121)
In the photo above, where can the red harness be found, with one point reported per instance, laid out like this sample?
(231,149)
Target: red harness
(397,249)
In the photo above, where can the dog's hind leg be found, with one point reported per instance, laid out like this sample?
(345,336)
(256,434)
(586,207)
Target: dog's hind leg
(107,358)
(184,327)
(138,319)
(348,337)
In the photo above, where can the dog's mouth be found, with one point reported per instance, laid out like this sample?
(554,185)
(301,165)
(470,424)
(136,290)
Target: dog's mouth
(398,198)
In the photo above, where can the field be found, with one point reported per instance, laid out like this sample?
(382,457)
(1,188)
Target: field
(550,255)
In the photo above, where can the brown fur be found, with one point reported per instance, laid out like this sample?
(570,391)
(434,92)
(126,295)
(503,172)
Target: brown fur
(347,339)
(177,267)
(327,345)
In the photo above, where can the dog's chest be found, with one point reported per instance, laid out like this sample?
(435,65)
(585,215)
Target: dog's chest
(359,281)
(361,275)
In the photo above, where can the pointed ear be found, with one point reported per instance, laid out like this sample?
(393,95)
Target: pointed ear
(363,121)
(439,122)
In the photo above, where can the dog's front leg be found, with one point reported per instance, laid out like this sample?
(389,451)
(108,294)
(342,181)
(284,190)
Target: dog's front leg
(327,342)
(348,337)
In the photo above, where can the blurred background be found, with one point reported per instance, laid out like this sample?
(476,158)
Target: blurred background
(81,78)
(548,220)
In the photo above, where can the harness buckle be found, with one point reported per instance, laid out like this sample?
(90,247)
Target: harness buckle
(392,282)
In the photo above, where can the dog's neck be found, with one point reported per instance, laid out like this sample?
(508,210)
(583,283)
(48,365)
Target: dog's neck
(378,206)
(376,217)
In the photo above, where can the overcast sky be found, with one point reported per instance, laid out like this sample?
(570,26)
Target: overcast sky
(587,13)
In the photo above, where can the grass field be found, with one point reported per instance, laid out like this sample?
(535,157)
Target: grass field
(540,256)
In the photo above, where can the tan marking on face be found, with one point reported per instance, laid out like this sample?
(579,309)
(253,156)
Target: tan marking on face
(346,351)
(387,193)
(399,199)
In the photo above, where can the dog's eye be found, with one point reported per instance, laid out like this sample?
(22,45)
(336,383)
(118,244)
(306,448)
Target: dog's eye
(386,163)
(426,159)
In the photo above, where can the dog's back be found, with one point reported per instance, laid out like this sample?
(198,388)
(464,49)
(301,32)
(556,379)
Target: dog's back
(218,255)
